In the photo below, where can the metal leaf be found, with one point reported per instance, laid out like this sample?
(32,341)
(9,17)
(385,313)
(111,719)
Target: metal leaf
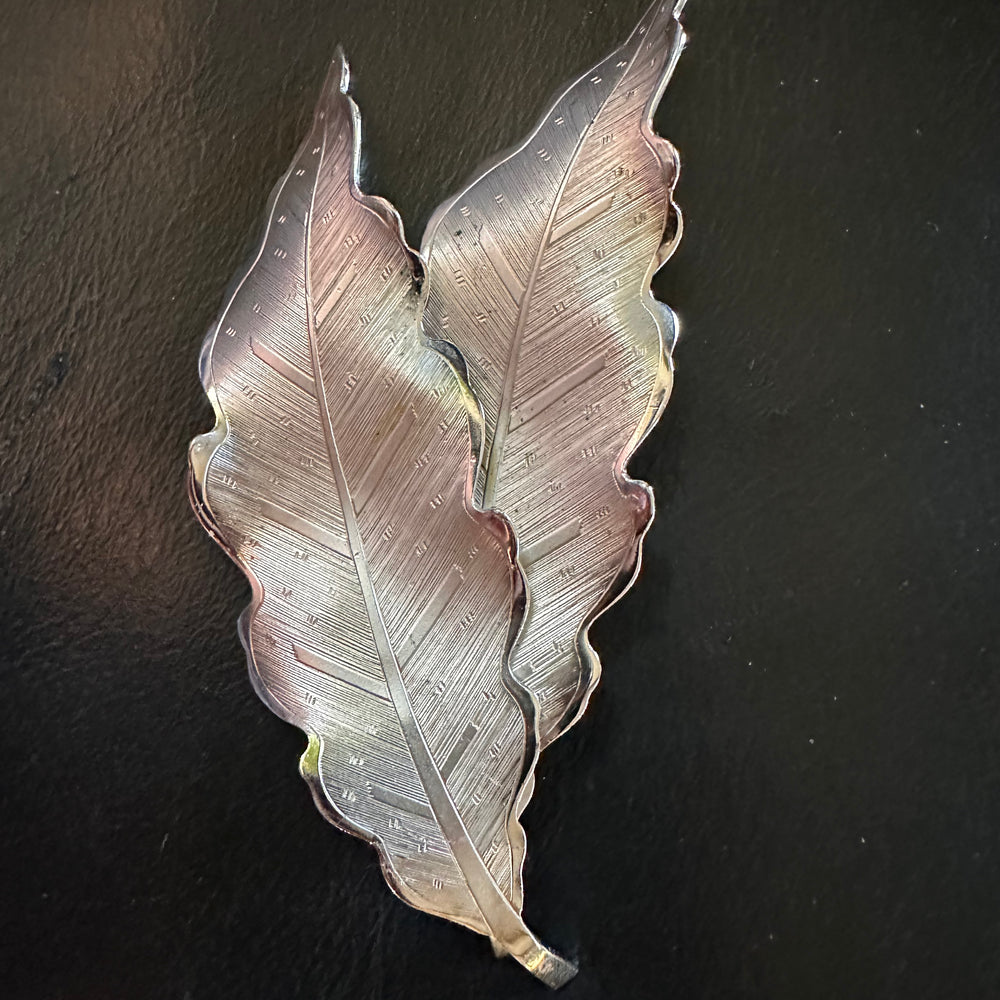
(538,272)
(339,477)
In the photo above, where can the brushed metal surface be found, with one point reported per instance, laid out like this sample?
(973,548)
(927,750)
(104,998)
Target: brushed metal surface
(539,272)
(339,477)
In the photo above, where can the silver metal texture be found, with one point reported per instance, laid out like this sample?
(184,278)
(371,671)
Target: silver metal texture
(339,477)
(539,273)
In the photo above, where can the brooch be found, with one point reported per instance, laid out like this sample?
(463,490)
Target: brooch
(420,460)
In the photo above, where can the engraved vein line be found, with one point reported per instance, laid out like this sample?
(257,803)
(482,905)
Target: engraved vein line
(458,750)
(504,922)
(398,801)
(340,672)
(547,544)
(581,217)
(432,611)
(334,295)
(281,515)
(510,375)
(283,367)
(555,391)
(501,265)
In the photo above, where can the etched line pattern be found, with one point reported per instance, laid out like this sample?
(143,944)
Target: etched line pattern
(547,544)
(431,612)
(285,368)
(382,463)
(555,391)
(334,294)
(399,801)
(501,265)
(341,672)
(294,522)
(451,761)
(581,217)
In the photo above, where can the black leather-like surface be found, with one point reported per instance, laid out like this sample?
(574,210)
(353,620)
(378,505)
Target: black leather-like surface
(788,785)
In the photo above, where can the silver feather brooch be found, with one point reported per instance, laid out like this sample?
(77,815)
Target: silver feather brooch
(420,463)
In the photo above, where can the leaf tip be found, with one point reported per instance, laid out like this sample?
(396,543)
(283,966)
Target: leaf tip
(340,70)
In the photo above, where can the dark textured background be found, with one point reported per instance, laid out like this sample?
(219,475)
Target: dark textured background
(788,785)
